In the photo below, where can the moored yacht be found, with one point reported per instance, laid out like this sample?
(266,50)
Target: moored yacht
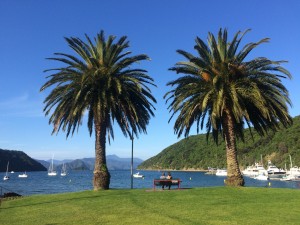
(221,172)
(211,170)
(272,169)
(294,170)
(254,170)
(261,176)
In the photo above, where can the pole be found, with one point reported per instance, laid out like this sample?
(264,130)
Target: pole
(131,167)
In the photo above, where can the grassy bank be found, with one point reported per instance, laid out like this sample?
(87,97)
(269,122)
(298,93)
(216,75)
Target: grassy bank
(193,206)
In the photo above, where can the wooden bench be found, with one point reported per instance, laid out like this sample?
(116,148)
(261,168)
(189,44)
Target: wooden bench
(166,182)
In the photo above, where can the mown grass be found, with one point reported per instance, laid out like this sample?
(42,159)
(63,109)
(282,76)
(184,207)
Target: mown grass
(219,205)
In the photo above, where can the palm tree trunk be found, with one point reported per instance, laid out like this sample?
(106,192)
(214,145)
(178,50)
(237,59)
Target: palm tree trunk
(101,175)
(234,176)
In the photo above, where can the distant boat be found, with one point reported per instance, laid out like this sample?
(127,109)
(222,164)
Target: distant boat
(63,170)
(51,171)
(24,175)
(211,170)
(272,169)
(138,175)
(262,176)
(250,171)
(255,170)
(221,172)
(294,170)
(290,178)
(6,177)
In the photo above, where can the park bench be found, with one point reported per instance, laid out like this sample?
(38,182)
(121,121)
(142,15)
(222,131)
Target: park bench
(166,182)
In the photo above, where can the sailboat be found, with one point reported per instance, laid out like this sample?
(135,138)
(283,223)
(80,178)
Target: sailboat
(294,170)
(293,173)
(6,177)
(24,175)
(63,170)
(51,171)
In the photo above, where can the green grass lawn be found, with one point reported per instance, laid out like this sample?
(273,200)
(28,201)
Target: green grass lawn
(218,205)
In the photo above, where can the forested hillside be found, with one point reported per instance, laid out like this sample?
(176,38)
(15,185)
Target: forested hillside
(195,152)
(18,161)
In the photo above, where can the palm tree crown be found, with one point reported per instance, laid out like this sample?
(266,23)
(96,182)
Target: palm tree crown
(222,90)
(102,81)
(219,79)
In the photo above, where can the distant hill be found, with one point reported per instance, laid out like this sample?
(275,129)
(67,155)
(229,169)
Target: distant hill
(18,161)
(195,152)
(113,163)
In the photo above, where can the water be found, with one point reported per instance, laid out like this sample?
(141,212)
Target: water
(41,183)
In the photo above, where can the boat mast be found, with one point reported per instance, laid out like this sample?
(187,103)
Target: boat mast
(51,165)
(7,168)
(131,166)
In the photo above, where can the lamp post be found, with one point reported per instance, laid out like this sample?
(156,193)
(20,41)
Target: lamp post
(131,167)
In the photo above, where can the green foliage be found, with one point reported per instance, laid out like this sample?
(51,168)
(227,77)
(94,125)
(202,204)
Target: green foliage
(219,90)
(214,206)
(195,152)
(101,81)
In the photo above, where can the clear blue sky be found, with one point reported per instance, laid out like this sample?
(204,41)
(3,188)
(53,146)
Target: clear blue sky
(33,30)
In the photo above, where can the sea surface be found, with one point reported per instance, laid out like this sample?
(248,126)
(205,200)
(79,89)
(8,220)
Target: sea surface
(41,183)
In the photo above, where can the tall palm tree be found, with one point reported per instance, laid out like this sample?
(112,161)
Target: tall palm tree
(223,90)
(100,81)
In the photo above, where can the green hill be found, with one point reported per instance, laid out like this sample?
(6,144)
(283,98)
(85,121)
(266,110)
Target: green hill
(18,161)
(195,152)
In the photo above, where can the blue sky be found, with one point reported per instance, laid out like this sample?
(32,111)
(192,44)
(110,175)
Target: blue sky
(33,30)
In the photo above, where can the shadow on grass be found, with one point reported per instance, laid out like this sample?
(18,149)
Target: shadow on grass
(92,195)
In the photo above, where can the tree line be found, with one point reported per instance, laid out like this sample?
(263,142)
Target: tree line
(197,153)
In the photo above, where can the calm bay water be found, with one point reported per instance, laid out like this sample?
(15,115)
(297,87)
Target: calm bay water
(41,183)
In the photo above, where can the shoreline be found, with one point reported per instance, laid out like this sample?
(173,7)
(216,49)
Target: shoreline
(181,170)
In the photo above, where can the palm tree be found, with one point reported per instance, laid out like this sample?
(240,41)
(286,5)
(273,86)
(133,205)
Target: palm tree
(100,81)
(222,90)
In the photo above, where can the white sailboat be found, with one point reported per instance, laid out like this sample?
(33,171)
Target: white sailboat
(63,170)
(51,171)
(138,175)
(294,170)
(24,175)
(6,177)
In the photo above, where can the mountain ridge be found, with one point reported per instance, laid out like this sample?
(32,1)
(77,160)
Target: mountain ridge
(19,161)
(113,163)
